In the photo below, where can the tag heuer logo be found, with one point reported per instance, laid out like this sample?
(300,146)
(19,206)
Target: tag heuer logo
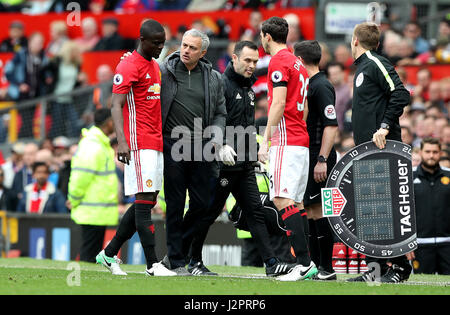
(333,202)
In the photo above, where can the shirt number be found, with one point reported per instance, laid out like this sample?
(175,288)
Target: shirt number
(303,92)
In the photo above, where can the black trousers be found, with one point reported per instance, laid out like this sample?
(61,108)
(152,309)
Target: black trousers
(433,258)
(198,178)
(243,186)
(92,237)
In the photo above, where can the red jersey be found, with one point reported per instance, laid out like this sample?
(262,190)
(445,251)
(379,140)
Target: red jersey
(287,70)
(140,79)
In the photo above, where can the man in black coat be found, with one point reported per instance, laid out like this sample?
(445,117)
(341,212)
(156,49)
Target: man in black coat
(239,177)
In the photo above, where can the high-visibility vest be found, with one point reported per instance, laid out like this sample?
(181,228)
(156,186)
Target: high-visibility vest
(93,183)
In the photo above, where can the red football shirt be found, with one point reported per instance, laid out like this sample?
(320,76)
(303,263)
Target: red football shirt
(140,79)
(287,70)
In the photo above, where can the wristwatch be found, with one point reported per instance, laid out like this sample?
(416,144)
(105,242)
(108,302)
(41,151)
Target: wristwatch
(321,159)
(384,126)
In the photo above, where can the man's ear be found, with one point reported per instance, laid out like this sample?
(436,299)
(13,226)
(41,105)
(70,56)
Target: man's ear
(203,53)
(234,57)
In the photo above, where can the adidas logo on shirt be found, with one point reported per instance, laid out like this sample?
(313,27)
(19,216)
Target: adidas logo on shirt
(238,96)
(148,76)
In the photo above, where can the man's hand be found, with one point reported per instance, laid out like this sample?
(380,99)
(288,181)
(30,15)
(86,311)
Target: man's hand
(68,205)
(320,172)
(125,55)
(123,153)
(410,256)
(263,153)
(379,138)
(226,155)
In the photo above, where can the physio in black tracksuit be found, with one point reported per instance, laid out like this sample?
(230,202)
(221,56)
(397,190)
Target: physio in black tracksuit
(240,179)
(378,101)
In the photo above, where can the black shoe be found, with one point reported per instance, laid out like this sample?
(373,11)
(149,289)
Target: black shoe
(396,274)
(279,268)
(199,269)
(368,276)
(325,275)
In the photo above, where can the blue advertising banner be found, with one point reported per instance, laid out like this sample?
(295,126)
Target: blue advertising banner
(61,244)
(135,252)
(37,243)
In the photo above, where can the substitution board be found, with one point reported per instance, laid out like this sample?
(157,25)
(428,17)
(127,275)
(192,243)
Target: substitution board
(369,200)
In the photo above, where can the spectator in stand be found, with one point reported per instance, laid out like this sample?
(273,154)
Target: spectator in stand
(6,195)
(65,70)
(343,55)
(413,31)
(225,58)
(252,30)
(89,37)
(133,6)
(41,196)
(406,53)
(294,33)
(46,156)
(403,74)
(326,56)
(58,36)
(415,156)
(407,135)
(64,171)
(13,164)
(16,40)
(423,82)
(111,40)
(445,137)
(25,175)
(336,75)
(434,95)
(26,76)
(262,105)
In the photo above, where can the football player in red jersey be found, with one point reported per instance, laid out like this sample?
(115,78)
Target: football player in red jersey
(136,111)
(289,152)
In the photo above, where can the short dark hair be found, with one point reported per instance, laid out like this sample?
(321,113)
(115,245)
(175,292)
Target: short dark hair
(39,164)
(276,27)
(101,115)
(149,27)
(309,51)
(430,140)
(242,44)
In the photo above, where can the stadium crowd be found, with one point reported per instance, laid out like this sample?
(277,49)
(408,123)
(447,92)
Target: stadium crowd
(38,70)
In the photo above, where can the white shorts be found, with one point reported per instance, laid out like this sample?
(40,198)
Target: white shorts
(288,172)
(144,173)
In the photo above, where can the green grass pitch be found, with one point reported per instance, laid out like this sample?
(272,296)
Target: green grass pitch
(30,276)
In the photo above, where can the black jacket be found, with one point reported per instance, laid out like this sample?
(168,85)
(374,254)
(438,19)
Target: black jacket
(240,103)
(8,200)
(432,199)
(378,97)
(215,110)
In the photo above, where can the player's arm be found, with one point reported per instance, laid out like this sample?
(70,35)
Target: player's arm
(305,111)
(123,151)
(274,118)
(398,98)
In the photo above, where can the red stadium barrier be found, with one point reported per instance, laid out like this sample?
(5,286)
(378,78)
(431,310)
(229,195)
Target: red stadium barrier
(129,23)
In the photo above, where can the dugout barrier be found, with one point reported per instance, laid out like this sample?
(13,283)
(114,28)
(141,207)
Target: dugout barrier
(57,237)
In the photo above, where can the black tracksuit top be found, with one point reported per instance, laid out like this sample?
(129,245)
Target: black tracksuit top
(378,97)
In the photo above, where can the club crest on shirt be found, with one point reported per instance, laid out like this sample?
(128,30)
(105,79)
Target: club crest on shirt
(155,88)
(118,79)
(149,183)
(223,182)
(276,76)
(330,112)
(359,79)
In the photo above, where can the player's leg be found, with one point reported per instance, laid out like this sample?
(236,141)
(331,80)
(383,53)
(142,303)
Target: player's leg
(285,191)
(175,185)
(325,242)
(125,231)
(248,197)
